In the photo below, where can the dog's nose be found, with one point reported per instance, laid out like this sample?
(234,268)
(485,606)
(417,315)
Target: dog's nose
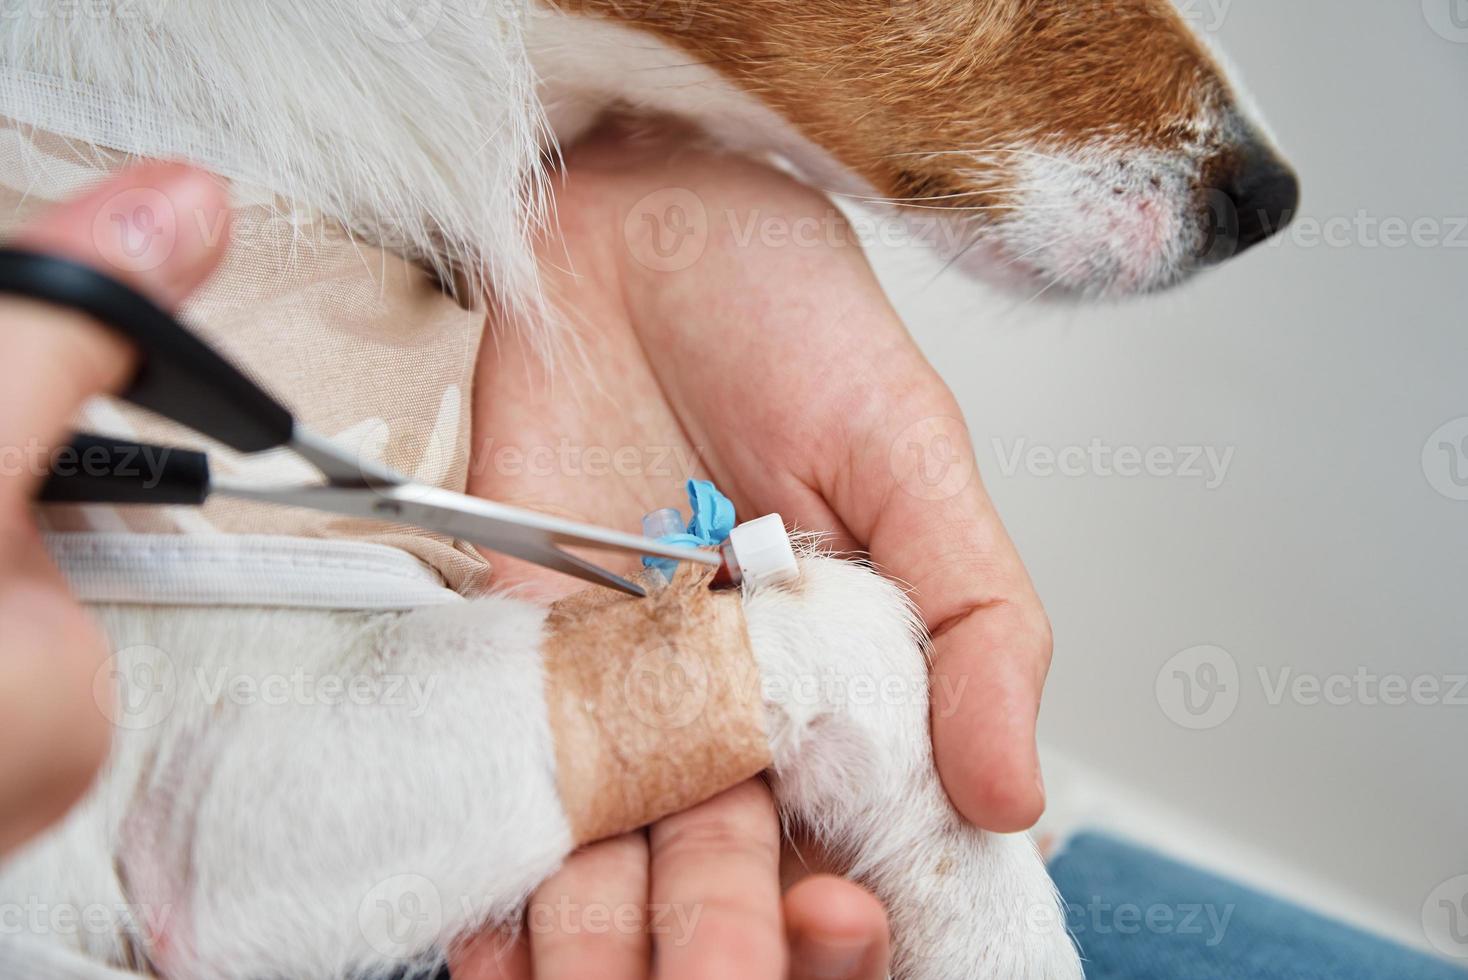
(1265,196)
(1253,203)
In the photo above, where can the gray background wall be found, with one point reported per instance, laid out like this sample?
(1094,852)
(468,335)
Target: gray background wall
(1324,362)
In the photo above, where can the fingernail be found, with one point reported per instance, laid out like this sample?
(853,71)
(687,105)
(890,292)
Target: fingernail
(827,960)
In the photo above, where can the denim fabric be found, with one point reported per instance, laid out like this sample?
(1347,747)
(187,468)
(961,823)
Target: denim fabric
(1139,916)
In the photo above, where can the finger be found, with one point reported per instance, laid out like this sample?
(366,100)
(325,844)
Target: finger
(160,226)
(54,359)
(491,956)
(990,634)
(990,667)
(715,887)
(935,528)
(837,931)
(588,919)
(54,734)
(53,728)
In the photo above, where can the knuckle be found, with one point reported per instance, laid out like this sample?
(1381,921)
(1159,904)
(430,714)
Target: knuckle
(733,834)
(619,860)
(700,837)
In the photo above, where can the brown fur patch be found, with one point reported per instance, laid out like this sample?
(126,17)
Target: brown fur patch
(893,88)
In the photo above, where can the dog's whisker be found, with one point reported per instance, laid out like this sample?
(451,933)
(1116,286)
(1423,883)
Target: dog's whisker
(904,200)
(1057,279)
(1031,251)
(955,259)
(964,207)
(979,154)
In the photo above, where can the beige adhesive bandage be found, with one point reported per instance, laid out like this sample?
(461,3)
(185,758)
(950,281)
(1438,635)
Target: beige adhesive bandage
(654,703)
(363,346)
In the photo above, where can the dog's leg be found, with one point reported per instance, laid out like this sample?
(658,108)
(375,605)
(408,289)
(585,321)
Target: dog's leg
(335,795)
(846,693)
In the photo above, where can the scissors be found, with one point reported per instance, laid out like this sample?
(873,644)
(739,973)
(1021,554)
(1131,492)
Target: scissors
(182,378)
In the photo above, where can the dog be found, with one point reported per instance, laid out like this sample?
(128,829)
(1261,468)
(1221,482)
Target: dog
(1100,147)
(1095,150)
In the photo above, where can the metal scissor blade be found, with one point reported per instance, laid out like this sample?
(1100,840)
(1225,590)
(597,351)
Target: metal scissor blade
(341,466)
(498,526)
(568,564)
(514,531)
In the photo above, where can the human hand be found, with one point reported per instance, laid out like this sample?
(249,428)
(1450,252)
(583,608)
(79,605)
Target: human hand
(53,736)
(777,369)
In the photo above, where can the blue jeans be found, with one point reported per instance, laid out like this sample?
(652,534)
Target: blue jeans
(1139,916)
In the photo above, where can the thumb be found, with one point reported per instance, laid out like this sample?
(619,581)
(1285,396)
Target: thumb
(156,227)
(160,227)
(54,729)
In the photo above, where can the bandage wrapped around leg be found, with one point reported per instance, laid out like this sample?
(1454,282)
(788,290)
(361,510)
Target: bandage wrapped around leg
(654,704)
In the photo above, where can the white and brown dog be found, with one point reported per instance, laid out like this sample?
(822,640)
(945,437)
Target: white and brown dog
(1095,148)
(1099,146)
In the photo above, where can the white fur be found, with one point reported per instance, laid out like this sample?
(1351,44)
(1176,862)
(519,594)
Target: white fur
(420,133)
(283,836)
(1101,219)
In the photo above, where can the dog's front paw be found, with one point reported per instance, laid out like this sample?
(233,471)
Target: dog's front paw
(845,676)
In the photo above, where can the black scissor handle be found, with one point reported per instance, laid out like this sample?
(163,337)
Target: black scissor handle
(103,470)
(179,376)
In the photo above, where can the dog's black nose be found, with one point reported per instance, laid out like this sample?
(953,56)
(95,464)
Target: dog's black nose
(1264,196)
(1253,202)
